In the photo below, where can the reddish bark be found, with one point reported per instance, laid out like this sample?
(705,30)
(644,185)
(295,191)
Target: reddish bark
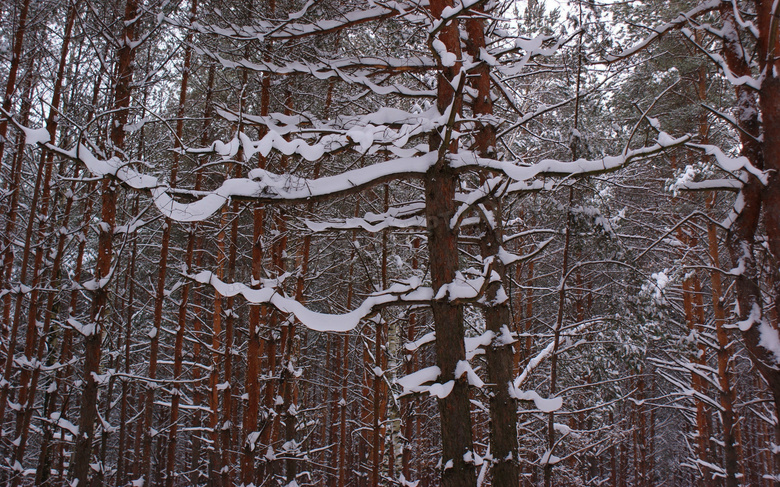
(178,347)
(762,153)
(548,467)
(9,342)
(441,182)
(731,458)
(88,410)
(29,379)
(195,449)
(498,315)
(13,72)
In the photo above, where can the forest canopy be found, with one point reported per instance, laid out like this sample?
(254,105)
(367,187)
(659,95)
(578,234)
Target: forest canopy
(422,243)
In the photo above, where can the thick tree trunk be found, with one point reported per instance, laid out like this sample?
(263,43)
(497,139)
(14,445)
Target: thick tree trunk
(441,182)
(741,239)
(766,329)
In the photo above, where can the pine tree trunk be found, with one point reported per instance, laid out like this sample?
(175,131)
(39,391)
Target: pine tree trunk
(441,182)
(498,315)
(344,367)
(548,467)
(178,352)
(29,379)
(196,422)
(82,452)
(731,460)
(129,285)
(13,72)
(215,455)
(6,393)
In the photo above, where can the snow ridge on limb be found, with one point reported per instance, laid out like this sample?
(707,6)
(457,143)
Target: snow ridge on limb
(737,166)
(553,167)
(679,23)
(409,216)
(722,63)
(732,164)
(414,383)
(410,292)
(265,186)
(327,68)
(405,216)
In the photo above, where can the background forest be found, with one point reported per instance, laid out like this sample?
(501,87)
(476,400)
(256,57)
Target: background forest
(412,243)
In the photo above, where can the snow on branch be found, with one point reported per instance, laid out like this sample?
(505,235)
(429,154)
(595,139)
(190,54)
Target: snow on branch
(723,64)
(732,164)
(264,186)
(405,216)
(553,167)
(387,128)
(544,405)
(410,292)
(722,184)
(261,185)
(451,13)
(415,383)
(327,68)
